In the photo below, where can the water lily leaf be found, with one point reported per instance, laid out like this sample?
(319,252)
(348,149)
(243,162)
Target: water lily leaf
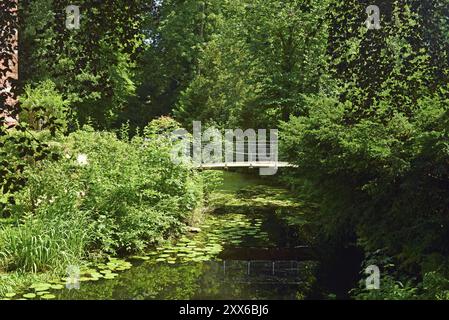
(57,286)
(10,294)
(96,274)
(88,271)
(140,258)
(42,287)
(39,284)
(48,296)
(84,279)
(110,276)
(29,295)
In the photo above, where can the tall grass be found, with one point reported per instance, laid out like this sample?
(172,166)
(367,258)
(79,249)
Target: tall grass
(40,245)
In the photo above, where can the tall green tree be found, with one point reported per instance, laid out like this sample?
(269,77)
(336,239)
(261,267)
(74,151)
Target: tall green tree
(262,59)
(375,156)
(176,32)
(399,63)
(93,66)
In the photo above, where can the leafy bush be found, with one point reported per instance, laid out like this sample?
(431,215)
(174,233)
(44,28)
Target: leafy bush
(104,195)
(390,289)
(385,180)
(434,285)
(43,107)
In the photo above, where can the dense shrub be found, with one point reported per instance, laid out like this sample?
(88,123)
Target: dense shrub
(43,107)
(104,195)
(385,180)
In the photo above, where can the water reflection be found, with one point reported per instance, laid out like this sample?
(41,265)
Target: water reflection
(230,279)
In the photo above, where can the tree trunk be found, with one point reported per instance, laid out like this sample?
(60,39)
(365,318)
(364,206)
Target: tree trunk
(9,61)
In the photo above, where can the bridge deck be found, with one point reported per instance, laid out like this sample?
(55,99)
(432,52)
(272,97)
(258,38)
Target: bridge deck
(245,164)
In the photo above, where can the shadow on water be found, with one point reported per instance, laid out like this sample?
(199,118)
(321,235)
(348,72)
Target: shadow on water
(339,270)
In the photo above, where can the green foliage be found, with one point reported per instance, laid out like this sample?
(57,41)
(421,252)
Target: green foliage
(375,157)
(433,285)
(43,244)
(161,126)
(256,67)
(214,180)
(43,107)
(92,65)
(365,118)
(19,149)
(389,170)
(388,70)
(175,32)
(103,195)
(390,289)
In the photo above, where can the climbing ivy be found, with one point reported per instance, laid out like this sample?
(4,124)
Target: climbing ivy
(19,147)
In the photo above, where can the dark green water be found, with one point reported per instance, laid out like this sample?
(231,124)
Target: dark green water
(253,245)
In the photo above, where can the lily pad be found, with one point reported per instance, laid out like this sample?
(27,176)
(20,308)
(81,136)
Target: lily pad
(110,276)
(29,295)
(39,285)
(57,287)
(140,258)
(48,296)
(42,288)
